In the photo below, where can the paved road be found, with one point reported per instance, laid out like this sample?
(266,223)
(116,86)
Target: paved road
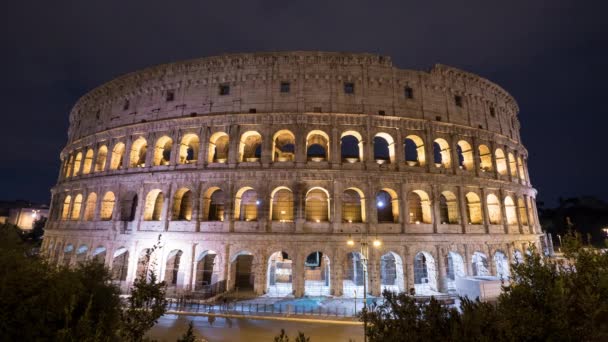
(170,327)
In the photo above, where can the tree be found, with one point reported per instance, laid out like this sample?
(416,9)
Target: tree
(189,335)
(283,337)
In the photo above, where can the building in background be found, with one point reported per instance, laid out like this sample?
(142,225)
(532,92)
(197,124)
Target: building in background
(22,213)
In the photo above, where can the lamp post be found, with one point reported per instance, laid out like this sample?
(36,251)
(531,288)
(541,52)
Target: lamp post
(364,252)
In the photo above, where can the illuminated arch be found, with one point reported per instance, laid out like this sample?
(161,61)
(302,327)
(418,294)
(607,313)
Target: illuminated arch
(351,146)
(65,212)
(317,146)
(448,208)
(188,149)
(172,267)
(279,275)
(250,146)
(154,205)
(89,208)
(494,211)
(218,148)
(419,207)
(474,213)
(353,205)
(510,211)
(77,162)
(384,147)
(391,273)
(502,265)
(102,156)
(137,157)
(520,167)
(317,205)
(441,150)
(76,207)
(512,165)
(120,264)
(213,204)
(485,158)
(283,146)
(425,273)
(414,151)
(501,162)
(182,205)
(281,204)
(479,262)
(523,212)
(107,206)
(246,204)
(465,155)
(387,206)
(88,162)
(162,151)
(117,156)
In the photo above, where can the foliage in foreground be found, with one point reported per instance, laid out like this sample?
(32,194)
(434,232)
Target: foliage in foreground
(39,301)
(283,337)
(547,300)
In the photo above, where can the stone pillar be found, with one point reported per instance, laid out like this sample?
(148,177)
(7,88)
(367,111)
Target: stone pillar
(442,285)
(484,209)
(336,205)
(297,274)
(468,254)
(462,201)
(267,143)
(259,270)
(334,145)
(299,196)
(435,197)
(399,148)
(337,275)
(374,273)
(405,213)
(300,148)
(233,149)
(167,205)
(408,263)
(203,146)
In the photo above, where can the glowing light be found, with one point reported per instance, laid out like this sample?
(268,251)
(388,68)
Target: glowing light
(380,204)
(377,243)
(317,220)
(257,202)
(350,242)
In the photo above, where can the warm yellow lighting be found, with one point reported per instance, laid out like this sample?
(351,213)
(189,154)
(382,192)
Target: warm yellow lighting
(377,243)
(350,241)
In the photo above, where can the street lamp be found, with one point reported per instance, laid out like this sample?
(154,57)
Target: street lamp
(605,230)
(364,252)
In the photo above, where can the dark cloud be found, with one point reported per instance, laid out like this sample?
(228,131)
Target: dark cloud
(551,55)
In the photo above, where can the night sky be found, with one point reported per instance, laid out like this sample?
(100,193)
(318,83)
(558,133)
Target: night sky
(552,57)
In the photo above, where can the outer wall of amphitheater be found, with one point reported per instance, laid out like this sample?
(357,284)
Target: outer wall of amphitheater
(222,162)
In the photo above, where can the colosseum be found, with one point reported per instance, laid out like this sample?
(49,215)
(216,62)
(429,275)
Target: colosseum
(295,173)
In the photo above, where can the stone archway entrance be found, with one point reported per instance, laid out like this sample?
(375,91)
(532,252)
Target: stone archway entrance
(317,276)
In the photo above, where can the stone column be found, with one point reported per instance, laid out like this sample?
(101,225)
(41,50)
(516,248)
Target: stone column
(267,143)
(336,206)
(300,148)
(337,276)
(484,208)
(334,145)
(408,263)
(464,217)
(468,254)
(399,148)
(435,197)
(297,274)
(299,195)
(442,285)
(233,149)
(203,146)
(374,273)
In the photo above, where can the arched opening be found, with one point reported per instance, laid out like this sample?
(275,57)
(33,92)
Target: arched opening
(317,274)
(242,271)
(162,151)
(441,152)
(474,208)
(137,157)
(518,257)
(510,211)
(391,273)
(213,204)
(384,148)
(89,208)
(128,206)
(67,254)
(69,166)
(107,206)
(520,167)
(81,254)
(494,209)
(448,208)
(88,162)
(387,206)
(65,212)
(77,162)
(281,205)
(188,149)
(144,263)
(246,204)
(485,158)
(501,162)
(207,274)
(317,146)
(523,213)
(120,264)
(279,275)
(354,275)
(317,205)
(154,205)
(99,254)
(502,265)
(512,165)
(454,269)
(172,274)
(76,207)
(250,147)
(425,274)
(353,204)
(414,151)
(117,156)
(479,262)
(218,148)
(102,156)
(419,207)
(351,147)
(57,254)
(182,205)
(283,146)
(465,155)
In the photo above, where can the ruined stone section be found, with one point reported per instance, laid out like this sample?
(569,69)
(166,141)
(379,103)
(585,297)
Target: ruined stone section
(255,169)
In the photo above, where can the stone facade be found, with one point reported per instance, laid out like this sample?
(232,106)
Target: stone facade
(296,152)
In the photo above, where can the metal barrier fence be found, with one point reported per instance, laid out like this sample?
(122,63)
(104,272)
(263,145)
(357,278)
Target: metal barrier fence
(259,308)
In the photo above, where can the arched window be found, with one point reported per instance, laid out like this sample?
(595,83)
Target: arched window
(474,213)
(419,207)
(76,207)
(501,162)
(414,151)
(107,206)
(77,162)
(206,276)
(117,155)
(391,273)
(65,212)
(353,204)
(425,274)
(351,147)
(120,264)
(283,146)
(250,147)
(137,158)
(154,205)
(502,265)
(99,254)
(523,213)
(317,146)
(246,205)
(172,267)
(479,262)
(67,254)
(512,165)
(387,206)
(281,205)
(89,208)
(317,274)
(441,151)
(162,151)
(448,208)
(128,206)
(485,158)
(465,155)
(88,162)
(69,166)
(102,156)
(494,209)
(81,253)
(213,204)
(218,148)
(520,167)
(279,274)
(454,269)
(384,148)
(510,211)
(317,205)
(182,205)
(188,149)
